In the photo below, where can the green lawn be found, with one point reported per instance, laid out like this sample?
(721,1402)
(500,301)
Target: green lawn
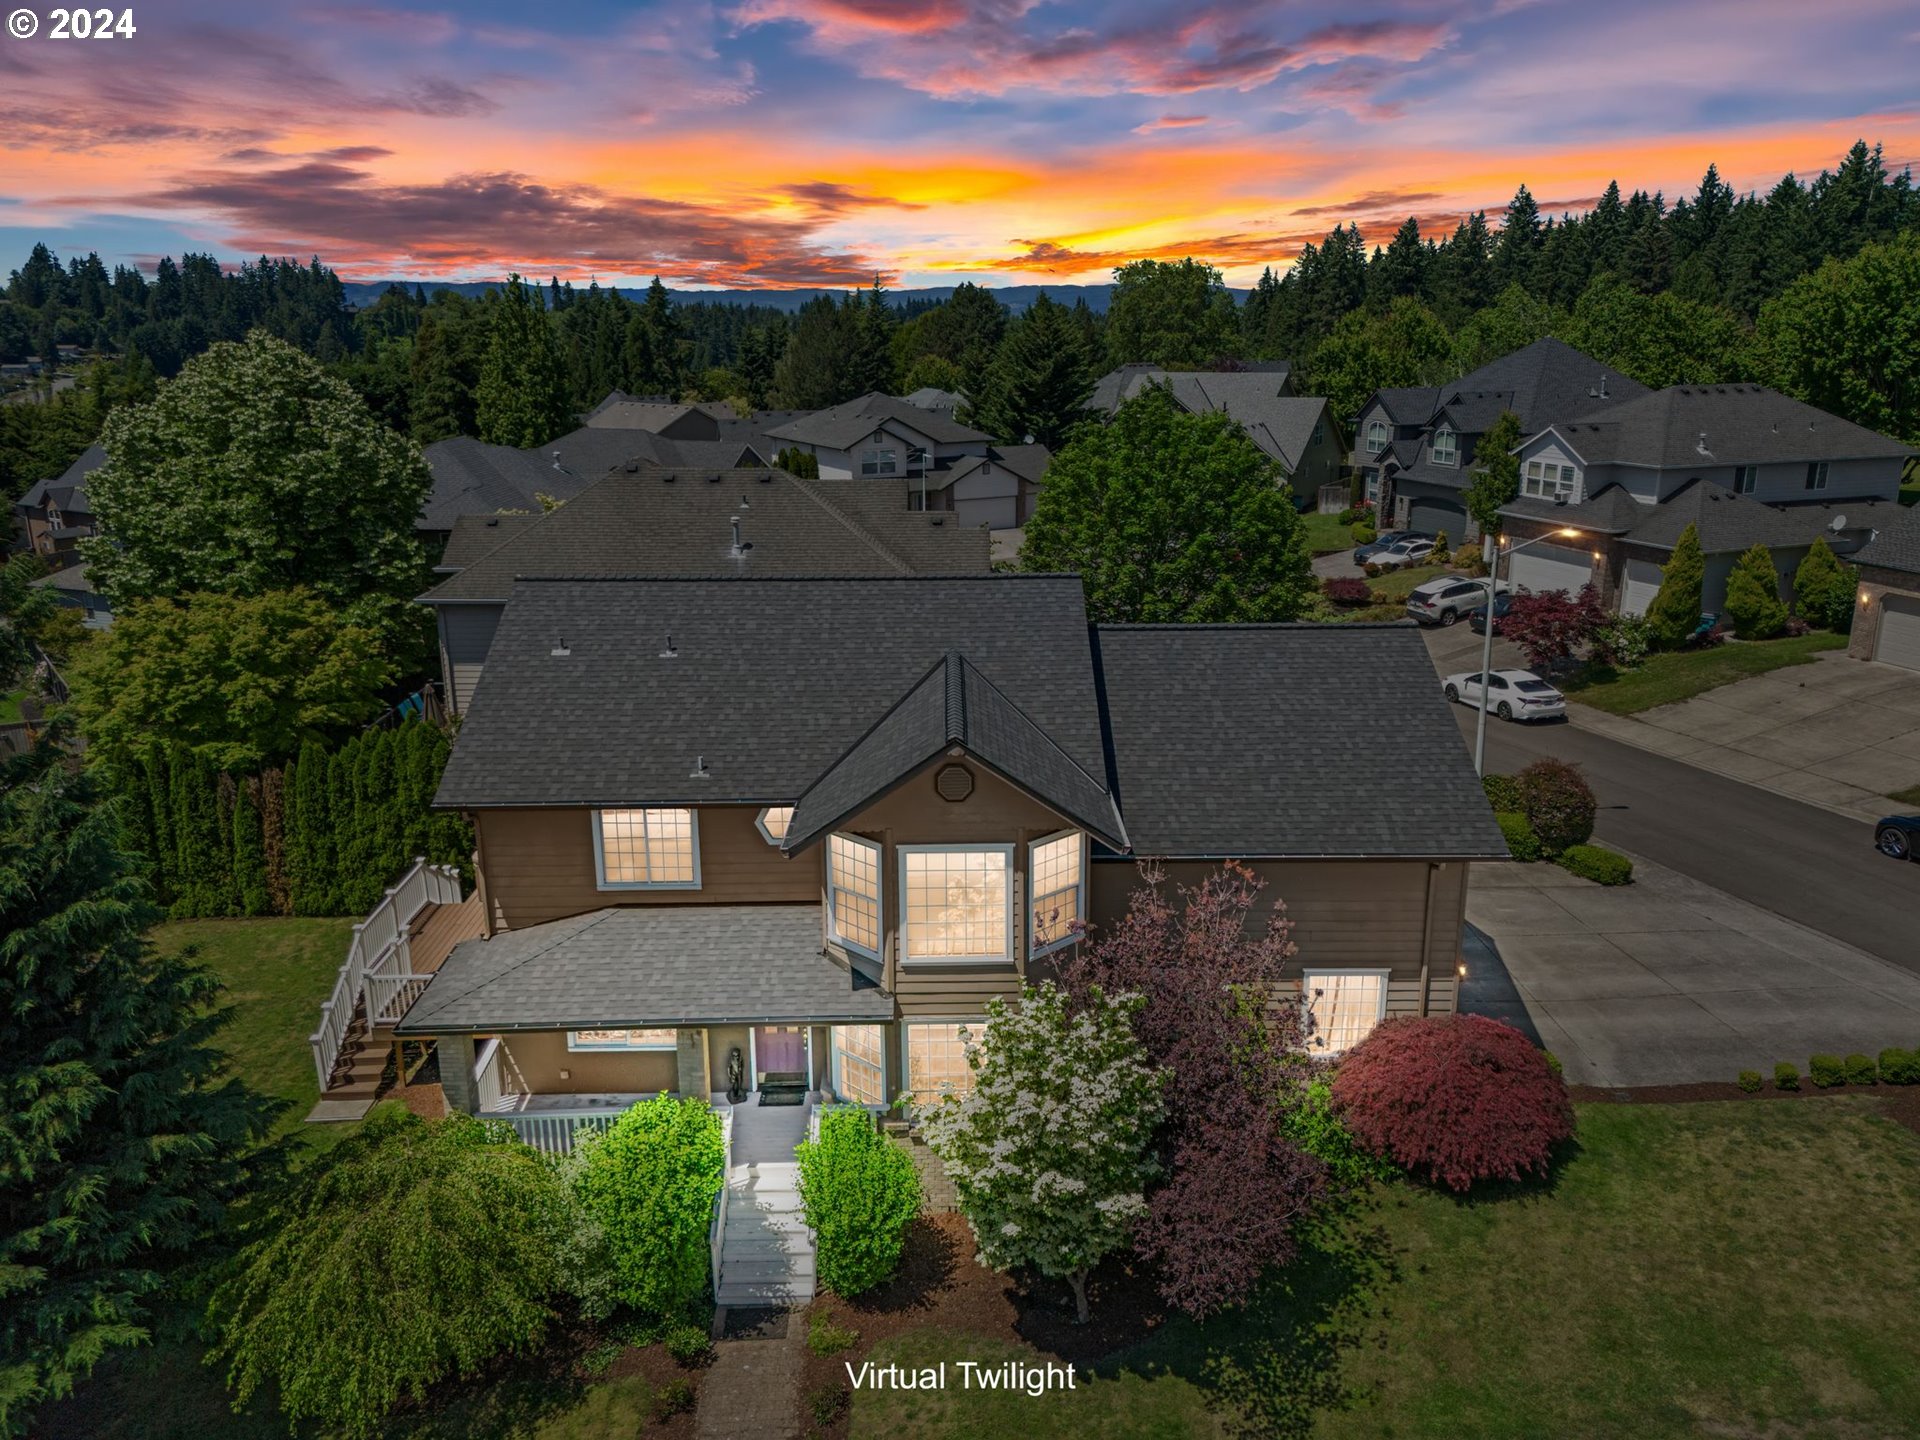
(277,973)
(1398,584)
(1326,534)
(1683,674)
(1735,1269)
(10,707)
(1909,796)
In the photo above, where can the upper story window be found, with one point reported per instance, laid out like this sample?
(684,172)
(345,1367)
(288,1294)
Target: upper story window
(1058,889)
(621,1039)
(647,849)
(1446,447)
(1377,436)
(853,893)
(1746,478)
(1545,480)
(956,903)
(1816,475)
(881,460)
(772,823)
(1319,431)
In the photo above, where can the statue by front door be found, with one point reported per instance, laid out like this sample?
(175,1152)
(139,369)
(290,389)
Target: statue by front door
(736,1076)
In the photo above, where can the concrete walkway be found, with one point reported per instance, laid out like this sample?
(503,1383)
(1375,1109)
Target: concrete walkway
(753,1387)
(1669,981)
(1842,734)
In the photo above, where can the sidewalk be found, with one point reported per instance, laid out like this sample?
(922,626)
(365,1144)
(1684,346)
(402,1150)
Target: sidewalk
(1841,734)
(1669,981)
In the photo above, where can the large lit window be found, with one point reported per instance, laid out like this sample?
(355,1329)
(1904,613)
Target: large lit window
(956,903)
(620,1040)
(1446,447)
(881,461)
(859,1066)
(773,822)
(936,1058)
(1544,480)
(1376,436)
(1342,1007)
(853,893)
(1059,878)
(647,849)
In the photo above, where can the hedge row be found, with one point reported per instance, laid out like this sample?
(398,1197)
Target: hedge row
(323,836)
(1894,1067)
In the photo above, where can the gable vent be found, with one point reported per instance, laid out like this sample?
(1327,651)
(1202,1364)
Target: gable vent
(954,783)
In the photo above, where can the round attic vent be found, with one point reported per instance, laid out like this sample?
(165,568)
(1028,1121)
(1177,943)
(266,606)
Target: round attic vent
(954,782)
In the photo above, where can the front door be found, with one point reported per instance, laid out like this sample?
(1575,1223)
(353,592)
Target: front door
(780,1050)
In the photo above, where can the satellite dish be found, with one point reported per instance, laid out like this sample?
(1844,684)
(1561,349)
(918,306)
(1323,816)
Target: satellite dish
(1837,524)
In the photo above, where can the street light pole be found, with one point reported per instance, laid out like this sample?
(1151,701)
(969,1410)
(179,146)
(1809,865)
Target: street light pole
(1486,640)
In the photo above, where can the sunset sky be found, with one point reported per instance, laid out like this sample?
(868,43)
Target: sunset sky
(803,142)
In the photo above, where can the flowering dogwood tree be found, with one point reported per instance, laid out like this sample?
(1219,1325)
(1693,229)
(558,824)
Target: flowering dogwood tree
(1236,1184)
(1050,1149)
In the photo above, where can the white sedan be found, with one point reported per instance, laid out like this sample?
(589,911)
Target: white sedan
(1511,694)
(1405,552)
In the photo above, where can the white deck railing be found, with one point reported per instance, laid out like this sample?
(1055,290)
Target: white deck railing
(717,1230)
(379,968)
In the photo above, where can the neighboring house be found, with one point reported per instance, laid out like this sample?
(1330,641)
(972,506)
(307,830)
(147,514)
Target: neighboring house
(1745,464)
(929,397)
(1414,447)
(1298,432)
(649,520)
(72,588)
(1886,610)
(821,822)
(998,489)
(55,514)
(655,417)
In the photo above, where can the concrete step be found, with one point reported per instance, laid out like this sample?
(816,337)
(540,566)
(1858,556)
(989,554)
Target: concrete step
(765,1272)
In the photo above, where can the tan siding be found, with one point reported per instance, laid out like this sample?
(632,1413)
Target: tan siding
(953,991)
(465,677)
(542,1054)
(721,1040)
(540,866)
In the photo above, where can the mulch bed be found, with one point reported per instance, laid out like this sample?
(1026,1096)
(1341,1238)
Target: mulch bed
(1899,1103)
(941,1286)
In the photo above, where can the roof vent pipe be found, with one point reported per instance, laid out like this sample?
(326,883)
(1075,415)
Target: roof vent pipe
(699,771)
(671,652)
(561,648)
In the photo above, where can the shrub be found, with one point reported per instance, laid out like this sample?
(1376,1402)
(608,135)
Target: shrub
(1468,560)
(1503,792)
(689,1344)
(1521,841)
(1861,1070)
(826,1335)
(1598,864)
(1796,626)
(1900,1067)
(1362,531)
(1750,1081)
(1373,571)
(1823,588)
(1440,549)
(1454,1099)
(1622,641)
(673,1398)
(1354,514)
(1551,626)
(861,1192)
(1786,1076)
(1314,1127)
(1675,610)
(827,1403)
(1753,596)
(1828,1071)
(1558,804)
(1347,590)
(650,1180)
(412,1251)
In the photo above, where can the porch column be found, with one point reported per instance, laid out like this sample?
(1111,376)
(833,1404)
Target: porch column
(691,1075)
(456,1074)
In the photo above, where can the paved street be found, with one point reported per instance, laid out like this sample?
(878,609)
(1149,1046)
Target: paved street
(1800,861)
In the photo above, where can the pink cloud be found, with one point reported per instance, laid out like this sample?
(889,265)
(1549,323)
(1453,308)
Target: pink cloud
(1170,122)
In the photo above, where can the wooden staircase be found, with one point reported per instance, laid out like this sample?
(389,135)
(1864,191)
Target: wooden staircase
(364,1059)
(767,1255)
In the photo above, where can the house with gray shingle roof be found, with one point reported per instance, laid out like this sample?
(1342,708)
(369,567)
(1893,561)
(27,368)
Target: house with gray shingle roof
(1743,464)
(1886,609)
(812,825)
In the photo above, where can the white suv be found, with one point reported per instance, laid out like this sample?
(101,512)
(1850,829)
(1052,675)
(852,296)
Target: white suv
(1448,599)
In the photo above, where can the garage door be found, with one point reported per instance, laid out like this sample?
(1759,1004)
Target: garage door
(1643,583)
(1433,516)
(1551,567)
(1899,642)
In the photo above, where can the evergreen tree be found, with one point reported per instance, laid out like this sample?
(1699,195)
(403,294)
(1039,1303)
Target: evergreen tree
(126,1141)
(1675,612)
(522,395)
(1518,247)
(1823,588)
(1169,314)
(1496,473)
(667,363)
(1039,382)
(444,368)
(249,854)
(311,835)
(1753,596)
(163,870)
(1400,269)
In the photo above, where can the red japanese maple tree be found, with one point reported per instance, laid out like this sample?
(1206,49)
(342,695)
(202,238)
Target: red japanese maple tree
(1549,626)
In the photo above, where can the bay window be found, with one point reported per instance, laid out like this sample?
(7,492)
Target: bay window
(936,1058)
(859,1066)
(956,903)
(1342,1007)
(853,893)
(1058,887)
(647,849)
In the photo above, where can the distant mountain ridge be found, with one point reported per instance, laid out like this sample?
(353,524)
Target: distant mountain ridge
(1015,297)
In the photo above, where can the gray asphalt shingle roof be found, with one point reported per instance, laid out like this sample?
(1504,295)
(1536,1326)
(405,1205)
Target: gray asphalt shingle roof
(639,521)
(1736,425)
(1288,740)
(771,681)
(852,422)
(644,966)
(1026,462)
(1724,521)
(476,535)
(1896,543)
(953,704)
(1117,386)
(1543,383)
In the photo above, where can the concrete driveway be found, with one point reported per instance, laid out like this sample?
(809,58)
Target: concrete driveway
(1669,981)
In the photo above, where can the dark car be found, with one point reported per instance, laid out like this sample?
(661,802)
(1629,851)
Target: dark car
(1364,553)
(1477,621)
(1898,836)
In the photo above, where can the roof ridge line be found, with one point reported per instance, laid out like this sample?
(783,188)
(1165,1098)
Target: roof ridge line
(858,530)
(604,913)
